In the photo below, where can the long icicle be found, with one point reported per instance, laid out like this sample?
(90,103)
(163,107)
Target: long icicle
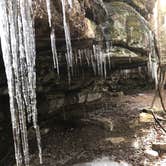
(18,47)
(54,50)
(70,2)
(52,37)
(6,49)
(69,55)
(29,44)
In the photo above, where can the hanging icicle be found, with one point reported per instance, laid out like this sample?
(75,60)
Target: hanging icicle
(100,57)
(52,37)
(70,2)
(18,47)
(54,50)
(48,4)
(69,55)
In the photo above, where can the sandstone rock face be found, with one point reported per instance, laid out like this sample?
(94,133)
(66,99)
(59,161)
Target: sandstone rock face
(124,23)
(126,27)
(145,7)
(86,16)
(81,18)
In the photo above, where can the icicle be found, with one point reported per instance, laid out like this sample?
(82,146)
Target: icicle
(101,62)
(97,59)
(107,46)
(108,52)
(52,37)
(96,50)
(75,56)
(86,53)
(21,69)
(75,62)
(48,4)
(126,73)
(140,71)
(93,63)
(70,2)
(68,70)
(54,50)
(18,47)
(67,36)
(80,56)
(131,32)
(150,62)
(104,66)
(95,53)
(29,44)
(6,49)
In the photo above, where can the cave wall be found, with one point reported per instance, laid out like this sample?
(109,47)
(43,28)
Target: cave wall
(124,23)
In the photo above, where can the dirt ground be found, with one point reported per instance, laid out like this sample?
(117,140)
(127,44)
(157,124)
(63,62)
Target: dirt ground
(119,130)
(114,127)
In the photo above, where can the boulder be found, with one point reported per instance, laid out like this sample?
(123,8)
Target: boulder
(159,147)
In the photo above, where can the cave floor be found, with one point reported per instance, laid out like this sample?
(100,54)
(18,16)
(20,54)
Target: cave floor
(118,133)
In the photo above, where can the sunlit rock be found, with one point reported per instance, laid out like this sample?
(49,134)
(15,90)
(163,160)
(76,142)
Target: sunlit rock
(104,162)
(146,117)
(151,153)
(128,25)
(116,140)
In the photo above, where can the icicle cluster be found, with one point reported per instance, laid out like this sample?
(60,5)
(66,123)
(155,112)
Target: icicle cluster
(18,47)
(67,37)
(97,58)
(100,60)
(153,61)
